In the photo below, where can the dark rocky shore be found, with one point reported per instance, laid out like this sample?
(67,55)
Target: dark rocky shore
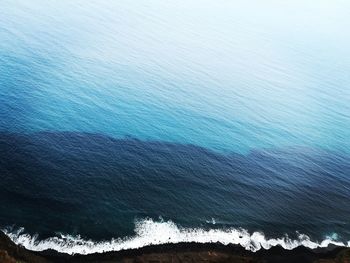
(176,253)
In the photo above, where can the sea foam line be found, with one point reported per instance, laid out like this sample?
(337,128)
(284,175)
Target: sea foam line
(149,232)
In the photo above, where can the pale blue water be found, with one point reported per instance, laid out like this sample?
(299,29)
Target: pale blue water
(229,75)
(259,89)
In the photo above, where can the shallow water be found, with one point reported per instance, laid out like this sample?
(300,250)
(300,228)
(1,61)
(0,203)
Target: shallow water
(235,113)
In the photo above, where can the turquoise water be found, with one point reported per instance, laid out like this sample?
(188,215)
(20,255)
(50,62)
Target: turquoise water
(230,76)
(124,124)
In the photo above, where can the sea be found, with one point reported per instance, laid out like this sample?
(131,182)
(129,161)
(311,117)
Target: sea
(130,123)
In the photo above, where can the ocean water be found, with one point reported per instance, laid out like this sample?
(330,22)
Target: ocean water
(125,124)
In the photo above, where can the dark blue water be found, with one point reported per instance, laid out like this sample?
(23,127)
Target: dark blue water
(151,122)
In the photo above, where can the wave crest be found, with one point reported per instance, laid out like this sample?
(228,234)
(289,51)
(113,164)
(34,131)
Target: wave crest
(150,232)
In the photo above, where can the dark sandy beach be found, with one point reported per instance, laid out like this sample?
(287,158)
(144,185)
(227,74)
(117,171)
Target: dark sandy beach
(177,253)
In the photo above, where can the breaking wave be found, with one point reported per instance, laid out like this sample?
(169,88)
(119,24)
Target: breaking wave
(150,232)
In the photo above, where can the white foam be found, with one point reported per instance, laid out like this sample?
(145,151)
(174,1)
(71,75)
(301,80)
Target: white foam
(149,232)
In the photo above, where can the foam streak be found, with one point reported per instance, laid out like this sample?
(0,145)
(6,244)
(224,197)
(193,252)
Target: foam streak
(149,232)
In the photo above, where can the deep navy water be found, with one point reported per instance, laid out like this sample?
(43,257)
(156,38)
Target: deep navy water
(125,124)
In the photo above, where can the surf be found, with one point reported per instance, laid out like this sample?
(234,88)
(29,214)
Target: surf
(151,232)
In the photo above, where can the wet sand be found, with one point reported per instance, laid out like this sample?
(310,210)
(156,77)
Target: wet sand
(177,253)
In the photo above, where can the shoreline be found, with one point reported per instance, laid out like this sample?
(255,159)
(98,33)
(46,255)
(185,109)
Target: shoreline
(179,252)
